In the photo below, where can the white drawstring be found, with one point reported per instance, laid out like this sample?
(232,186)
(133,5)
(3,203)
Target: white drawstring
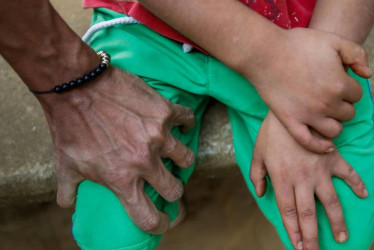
(187,48)
(121,20)
(106,24)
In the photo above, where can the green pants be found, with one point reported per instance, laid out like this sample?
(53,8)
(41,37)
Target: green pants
(191,79)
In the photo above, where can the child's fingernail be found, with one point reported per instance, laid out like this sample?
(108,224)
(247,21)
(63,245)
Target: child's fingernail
(366,193)
(330,150)
(342,237)
(299,246)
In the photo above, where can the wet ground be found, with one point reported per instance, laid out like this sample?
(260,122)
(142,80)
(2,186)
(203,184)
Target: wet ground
(221,216)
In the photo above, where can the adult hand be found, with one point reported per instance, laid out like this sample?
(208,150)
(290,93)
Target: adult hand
(305,83)
(297,176)
(115,132)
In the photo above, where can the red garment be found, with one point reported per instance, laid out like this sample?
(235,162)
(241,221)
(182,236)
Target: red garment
(285,13)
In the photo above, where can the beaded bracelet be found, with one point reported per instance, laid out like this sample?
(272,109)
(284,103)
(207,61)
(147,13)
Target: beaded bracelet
(104,63)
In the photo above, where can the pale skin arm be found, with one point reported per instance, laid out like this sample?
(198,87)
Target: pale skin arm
(269,57)
(352,20)
(295,197)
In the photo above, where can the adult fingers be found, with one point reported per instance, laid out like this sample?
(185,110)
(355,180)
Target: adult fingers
(67,184)
(344,171)
(304,137)
(354,55)
(329,199)
(164,183)
(140,208)
(177,151)
(257,173)
(182,115)
(306,209)
(285,197)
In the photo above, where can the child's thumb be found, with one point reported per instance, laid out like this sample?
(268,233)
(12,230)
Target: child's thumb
(355,56)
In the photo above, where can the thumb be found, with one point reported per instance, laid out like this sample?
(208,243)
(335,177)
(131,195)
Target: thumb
(355,56)
(258,173)
(67,184)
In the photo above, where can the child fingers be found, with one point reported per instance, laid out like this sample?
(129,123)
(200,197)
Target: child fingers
(305,138)
(306,209)
(327,195)
(355,56)
(285,197)
(257,174)
(344,171)
(326,127)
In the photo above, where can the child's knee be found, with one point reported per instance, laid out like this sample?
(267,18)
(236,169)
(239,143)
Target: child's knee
(101,222)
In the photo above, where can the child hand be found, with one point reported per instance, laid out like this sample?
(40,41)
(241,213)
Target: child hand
(305,83)
(297,176)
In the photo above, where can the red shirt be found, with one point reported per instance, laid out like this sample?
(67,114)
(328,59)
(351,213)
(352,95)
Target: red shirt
(285,13)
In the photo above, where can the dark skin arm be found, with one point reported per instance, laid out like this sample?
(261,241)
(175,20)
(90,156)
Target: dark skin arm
(112,131)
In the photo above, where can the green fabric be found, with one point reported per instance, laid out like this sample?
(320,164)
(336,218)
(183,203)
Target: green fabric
(191,79)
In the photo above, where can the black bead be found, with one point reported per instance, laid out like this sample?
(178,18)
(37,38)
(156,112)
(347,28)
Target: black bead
(79,81)
(65,87)
(98,71)
(57,89)
(102,66)
(86,78)
(73,84)
(93,74)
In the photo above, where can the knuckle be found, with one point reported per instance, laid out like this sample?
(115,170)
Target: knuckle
(189,113)
(188,158)
(254,178)
(62,202)
(332,201)
(339,88)
(175,193)
(170,146)
(311,242)
(305,140)
(361,52)
(143,155)
(307,214)
(156,132)
(166,110)
(351,113)
(118,178)
(353,176)
(290,212)
(149,223)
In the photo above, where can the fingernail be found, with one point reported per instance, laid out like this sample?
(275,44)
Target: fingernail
(299,246)
(366,193)
(342,237)
(330,150)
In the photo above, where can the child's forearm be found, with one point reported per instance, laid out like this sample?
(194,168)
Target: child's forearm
(227,29)
(352,20)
